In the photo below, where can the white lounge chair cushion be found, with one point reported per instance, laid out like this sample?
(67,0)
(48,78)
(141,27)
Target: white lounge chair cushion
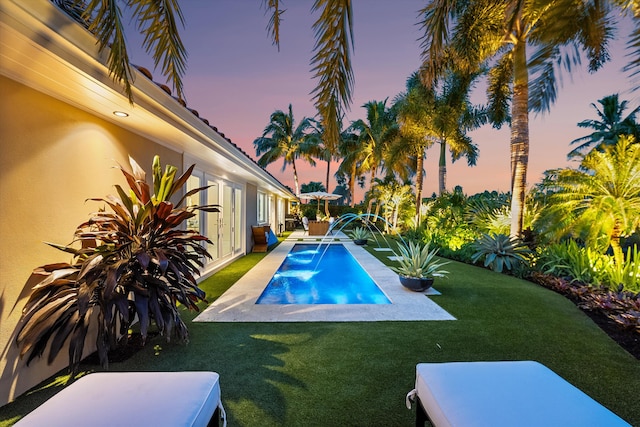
(138,399)
(494,394)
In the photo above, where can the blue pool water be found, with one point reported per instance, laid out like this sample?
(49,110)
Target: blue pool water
(321,274)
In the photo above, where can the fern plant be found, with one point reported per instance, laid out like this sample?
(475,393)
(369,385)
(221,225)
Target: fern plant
(419,261)
(135,261)
(500,252)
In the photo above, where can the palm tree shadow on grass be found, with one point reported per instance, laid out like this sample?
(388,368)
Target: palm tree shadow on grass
(250,361)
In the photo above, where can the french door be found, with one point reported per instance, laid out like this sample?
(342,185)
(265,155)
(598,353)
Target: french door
(223,228)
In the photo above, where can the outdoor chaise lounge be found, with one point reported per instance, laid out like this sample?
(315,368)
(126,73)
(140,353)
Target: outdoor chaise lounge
(138,399)
(503,394)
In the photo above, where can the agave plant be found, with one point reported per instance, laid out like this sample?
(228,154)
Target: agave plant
(500,251)
(360,233)
(134,260)
(419,261)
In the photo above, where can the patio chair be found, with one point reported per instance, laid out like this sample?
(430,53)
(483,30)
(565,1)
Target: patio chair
(496,394)
(260,239)
(305,224)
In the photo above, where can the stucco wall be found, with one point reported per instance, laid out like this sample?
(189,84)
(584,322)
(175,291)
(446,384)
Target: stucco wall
(53,157)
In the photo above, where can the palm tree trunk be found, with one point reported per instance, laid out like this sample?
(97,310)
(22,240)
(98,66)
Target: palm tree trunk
(419,183)
(442,168)
(371,183)
(352,185)
(295,177)
(519,138)
(618,255)
(328,173)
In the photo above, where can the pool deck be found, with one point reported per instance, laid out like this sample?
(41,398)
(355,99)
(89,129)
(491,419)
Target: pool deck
(237,304)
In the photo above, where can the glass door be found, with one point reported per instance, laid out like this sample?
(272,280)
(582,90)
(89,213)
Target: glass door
(237,219)
(226,221)
(213,219)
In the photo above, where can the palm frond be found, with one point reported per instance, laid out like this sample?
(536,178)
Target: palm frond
(105,19)
(273,27)
(331,64)
(158,22)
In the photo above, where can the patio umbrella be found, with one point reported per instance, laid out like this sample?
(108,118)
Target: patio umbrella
(321,195)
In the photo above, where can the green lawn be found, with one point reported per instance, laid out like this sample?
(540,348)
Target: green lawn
(357,374)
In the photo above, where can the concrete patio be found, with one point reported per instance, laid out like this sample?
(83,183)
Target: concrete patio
(238,303)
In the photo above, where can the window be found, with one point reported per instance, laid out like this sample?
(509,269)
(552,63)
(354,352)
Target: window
(263,208)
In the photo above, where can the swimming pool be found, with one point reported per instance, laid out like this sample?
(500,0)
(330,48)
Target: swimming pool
(321,274)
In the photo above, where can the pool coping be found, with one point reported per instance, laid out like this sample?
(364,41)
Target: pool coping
(237,304)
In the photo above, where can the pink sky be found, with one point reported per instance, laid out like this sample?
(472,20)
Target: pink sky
(236,79)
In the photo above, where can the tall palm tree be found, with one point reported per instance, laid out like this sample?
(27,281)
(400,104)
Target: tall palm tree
(376,133)
(350,150)
(609,128)
(282,139)
(468,34)
(439,114)
(599,202)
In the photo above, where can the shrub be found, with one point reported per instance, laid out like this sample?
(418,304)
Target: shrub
(586,265)
(500,252)
(135,262)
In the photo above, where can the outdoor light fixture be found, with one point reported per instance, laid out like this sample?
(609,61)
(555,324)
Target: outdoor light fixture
(120,114)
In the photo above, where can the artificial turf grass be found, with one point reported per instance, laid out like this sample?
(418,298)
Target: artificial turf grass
(275,374)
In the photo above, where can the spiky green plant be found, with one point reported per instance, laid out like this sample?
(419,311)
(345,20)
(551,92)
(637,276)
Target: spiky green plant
(135,261)
(419,261)
(500,251)
(360,233)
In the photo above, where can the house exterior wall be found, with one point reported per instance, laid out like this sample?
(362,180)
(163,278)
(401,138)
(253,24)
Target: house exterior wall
(53,157)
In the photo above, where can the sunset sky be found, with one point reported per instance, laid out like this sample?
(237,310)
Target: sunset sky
(236,78)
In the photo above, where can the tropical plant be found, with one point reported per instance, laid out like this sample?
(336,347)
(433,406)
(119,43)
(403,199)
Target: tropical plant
(447,225)
(609,128)
(350,149)
(360,233)
(600,202)
(625,276)
(419,261)
(135,262)
(396,200)
(473,34)
(312,186)
(571,261)
(282,139)
(442,114)
(375,135)
(500,252)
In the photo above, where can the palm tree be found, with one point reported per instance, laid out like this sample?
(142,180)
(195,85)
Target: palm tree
(600,201)
(470,34)
(609,128)
(439,114)
(286,141)
(375,134)
(350,150)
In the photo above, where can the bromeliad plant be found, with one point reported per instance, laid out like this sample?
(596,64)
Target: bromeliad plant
(135,260)
(500,252)
(419,261)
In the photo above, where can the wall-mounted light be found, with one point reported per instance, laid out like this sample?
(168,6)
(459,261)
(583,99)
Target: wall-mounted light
(120,114)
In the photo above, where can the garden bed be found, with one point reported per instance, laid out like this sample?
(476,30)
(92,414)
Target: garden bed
(617,313)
